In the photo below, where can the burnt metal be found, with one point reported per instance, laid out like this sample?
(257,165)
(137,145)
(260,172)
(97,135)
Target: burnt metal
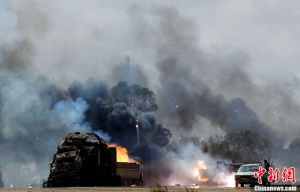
(83,159)
(130,173)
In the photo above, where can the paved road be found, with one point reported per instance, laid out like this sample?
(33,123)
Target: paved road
(129,189)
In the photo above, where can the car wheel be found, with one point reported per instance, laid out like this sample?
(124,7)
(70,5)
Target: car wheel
(242,184)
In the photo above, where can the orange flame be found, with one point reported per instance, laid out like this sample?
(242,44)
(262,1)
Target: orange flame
(122,154)
(200,171)
(201,165)
(203,179)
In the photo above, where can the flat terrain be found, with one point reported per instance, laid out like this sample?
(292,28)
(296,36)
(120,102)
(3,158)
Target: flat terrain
(129,189)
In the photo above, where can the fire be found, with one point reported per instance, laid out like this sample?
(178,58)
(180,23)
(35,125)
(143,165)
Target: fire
(122,154)
(203,179)
(201,165)
(200,171)
(222,178)
(229,180)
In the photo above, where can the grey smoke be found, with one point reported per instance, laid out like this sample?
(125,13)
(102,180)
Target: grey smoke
(204,86)
(32,125)
(130,72)
(194,98)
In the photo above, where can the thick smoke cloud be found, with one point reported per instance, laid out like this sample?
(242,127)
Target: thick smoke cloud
(30,127)
(199,92)
(193,98)
(243,146)
(36,116)
(125,112)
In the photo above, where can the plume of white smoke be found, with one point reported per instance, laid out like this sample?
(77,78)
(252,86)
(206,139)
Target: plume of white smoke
(32,124)
(72,114)
(190,162)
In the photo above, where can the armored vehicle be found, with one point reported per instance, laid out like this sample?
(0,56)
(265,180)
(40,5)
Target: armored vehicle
(83,159)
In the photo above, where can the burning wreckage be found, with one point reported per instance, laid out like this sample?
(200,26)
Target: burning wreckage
(84,159)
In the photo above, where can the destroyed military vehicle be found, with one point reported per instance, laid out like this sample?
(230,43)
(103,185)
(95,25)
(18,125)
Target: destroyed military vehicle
(83,159)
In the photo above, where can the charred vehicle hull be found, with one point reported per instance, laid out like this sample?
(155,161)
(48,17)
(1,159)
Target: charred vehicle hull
(83,159)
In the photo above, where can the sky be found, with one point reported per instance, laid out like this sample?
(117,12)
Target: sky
(75,40)
(266,31)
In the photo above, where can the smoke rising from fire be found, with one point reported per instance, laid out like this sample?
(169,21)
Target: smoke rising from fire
(176,87)
(36,116)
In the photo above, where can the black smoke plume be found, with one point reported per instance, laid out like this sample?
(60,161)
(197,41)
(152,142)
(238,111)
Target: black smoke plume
(125,112)
(193,98)
(36,115)
(243,146)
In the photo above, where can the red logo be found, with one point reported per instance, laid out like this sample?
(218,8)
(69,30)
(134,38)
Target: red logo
(273,175)
(287,174)
(259,174)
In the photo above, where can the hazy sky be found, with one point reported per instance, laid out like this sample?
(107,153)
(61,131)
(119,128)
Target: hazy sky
(265,30)
(76,39)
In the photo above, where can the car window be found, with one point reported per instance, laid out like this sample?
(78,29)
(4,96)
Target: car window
(252,168)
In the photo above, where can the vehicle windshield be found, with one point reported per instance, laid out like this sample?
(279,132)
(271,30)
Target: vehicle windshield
(249,168)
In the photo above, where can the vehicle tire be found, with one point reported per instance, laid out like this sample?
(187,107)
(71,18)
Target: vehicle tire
(252,185)
(242,184)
